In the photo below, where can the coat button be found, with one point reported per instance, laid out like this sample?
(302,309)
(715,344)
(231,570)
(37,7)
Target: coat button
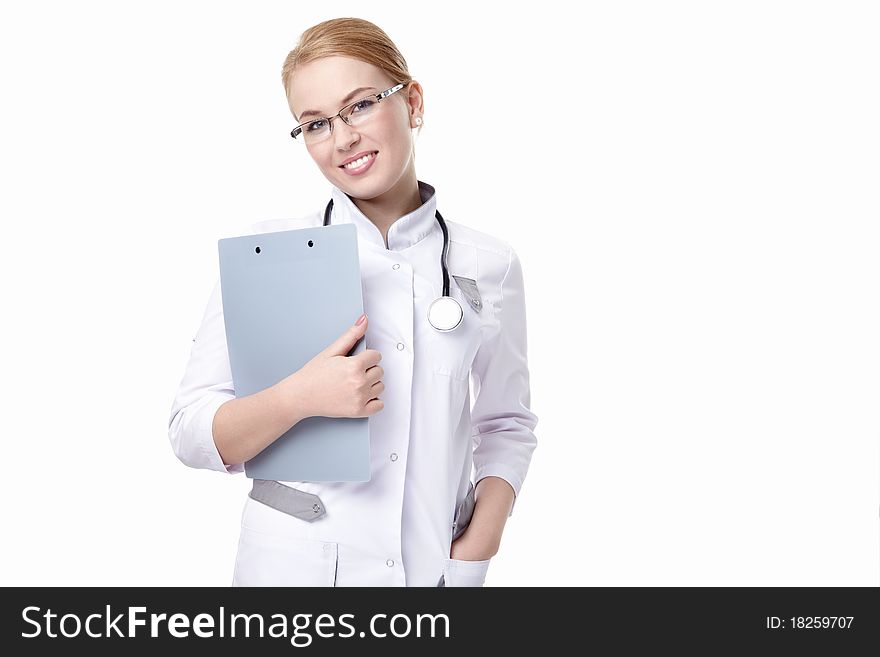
(389,563)
(393,456)
(396,266)
(400,346)
(316,508)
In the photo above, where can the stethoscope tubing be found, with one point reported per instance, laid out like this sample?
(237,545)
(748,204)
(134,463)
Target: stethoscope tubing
(443,253)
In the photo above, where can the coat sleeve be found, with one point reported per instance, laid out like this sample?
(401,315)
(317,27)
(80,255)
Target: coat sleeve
(503,426)
(206,385)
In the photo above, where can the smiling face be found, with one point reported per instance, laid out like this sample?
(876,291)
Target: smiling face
(324,85)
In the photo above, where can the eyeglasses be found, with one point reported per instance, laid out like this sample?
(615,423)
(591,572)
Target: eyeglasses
(317,130)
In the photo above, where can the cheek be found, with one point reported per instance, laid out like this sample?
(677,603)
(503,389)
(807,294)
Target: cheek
(392,130)
(395,140)
(324,162)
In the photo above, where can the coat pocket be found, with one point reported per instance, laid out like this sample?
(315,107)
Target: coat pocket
(452,352)
(271,560)
(458,572)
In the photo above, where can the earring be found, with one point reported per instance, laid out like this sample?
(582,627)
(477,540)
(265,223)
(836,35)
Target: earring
(419,120)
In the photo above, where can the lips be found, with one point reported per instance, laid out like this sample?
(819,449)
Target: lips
(356,157)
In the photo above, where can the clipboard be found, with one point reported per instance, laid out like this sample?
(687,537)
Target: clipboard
(286,296)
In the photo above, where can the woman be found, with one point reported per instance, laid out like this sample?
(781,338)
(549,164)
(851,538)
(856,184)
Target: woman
(419,520)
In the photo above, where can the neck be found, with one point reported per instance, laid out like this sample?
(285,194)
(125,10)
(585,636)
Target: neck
(385,209)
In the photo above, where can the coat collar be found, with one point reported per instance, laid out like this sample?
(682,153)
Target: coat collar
(404,232)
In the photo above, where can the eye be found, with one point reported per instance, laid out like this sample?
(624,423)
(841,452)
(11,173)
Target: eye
(362,105)
(314,125)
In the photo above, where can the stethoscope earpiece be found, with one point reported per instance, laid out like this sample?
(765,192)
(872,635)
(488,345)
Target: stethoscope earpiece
(444,313)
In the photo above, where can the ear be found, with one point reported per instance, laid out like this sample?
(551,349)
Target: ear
(415,101)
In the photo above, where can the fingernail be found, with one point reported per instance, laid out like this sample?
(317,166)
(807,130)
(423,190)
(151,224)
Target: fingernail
(360,320)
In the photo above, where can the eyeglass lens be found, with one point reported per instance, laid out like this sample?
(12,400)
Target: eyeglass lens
(319,129)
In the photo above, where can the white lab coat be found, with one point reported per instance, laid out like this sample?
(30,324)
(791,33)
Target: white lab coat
(395,529)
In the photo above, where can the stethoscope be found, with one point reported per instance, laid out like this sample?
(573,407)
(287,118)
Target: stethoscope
(445,313)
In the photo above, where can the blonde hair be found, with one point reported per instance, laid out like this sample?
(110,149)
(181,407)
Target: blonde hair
(347,37)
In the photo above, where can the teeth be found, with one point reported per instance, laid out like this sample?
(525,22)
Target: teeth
(360,162)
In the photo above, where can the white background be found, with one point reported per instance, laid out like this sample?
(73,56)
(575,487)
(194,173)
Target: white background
(692,188)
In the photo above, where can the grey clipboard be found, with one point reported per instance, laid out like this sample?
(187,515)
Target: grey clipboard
(286,296)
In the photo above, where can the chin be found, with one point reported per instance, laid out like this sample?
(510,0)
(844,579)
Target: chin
(365,189)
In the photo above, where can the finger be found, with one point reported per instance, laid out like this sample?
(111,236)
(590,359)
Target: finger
(368,358)
(345,342)
(374,406)
(375,373)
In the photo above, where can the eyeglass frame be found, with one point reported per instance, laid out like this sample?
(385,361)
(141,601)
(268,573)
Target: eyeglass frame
(329,119)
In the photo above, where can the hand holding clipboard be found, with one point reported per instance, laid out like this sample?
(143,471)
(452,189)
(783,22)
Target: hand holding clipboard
(340,385)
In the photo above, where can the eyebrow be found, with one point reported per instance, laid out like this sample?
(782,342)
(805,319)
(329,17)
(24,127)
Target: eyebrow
(345,100)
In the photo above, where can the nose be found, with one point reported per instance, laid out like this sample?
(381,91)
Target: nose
(344,134)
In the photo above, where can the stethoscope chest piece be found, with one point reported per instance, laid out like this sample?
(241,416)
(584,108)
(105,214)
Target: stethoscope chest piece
(445,313)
